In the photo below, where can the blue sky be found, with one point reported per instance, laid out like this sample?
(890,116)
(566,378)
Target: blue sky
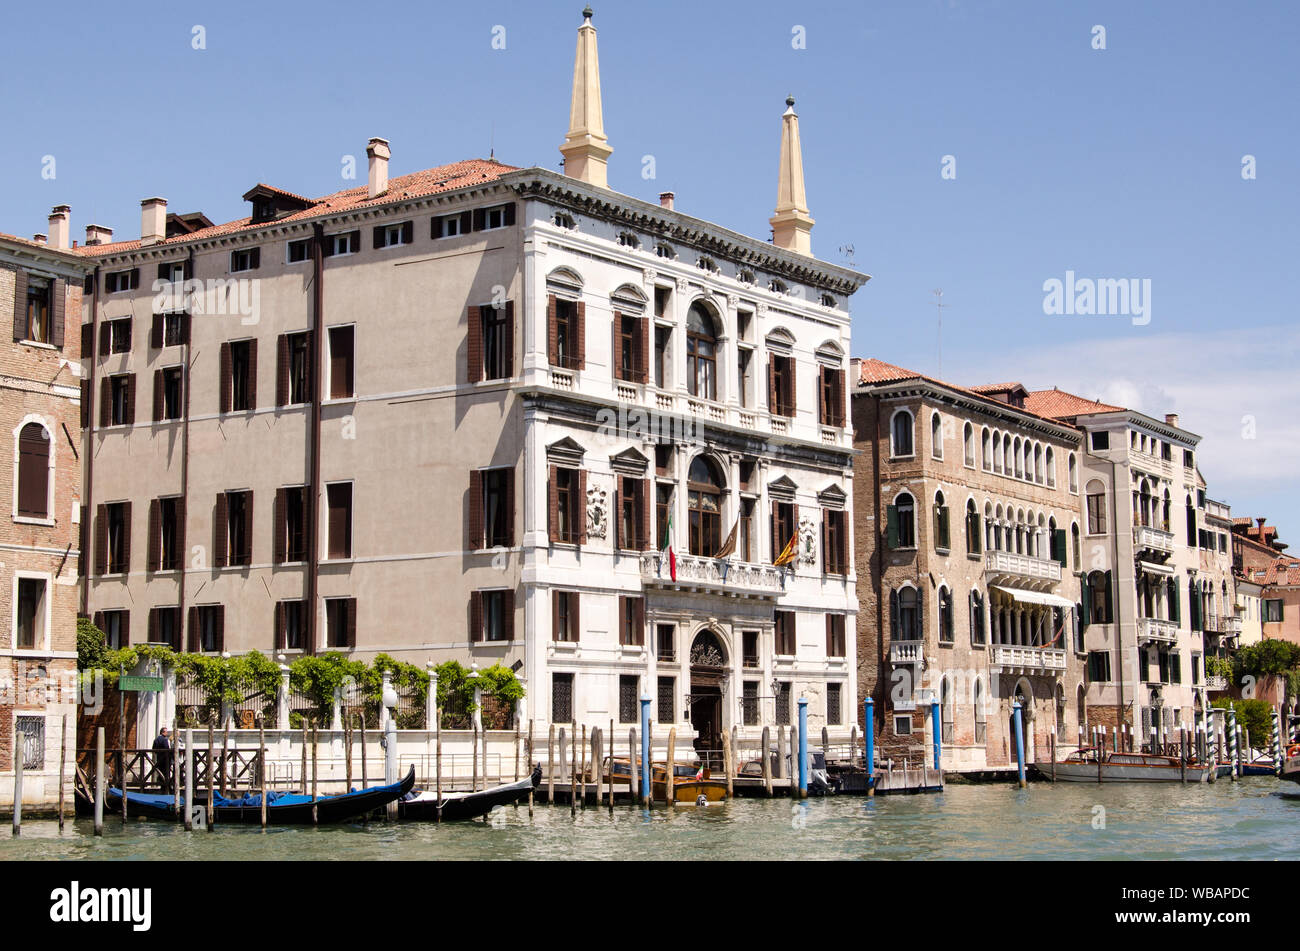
(1123,162)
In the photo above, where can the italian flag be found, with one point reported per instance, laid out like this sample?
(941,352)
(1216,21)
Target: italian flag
(668,545)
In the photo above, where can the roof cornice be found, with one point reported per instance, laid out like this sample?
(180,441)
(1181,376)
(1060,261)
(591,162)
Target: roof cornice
(919,386)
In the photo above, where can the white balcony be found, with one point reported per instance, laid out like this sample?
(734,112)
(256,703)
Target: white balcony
(1153,539)
(1215,682)
(1231,625)
(711,574)
(1027,660)
(1022,566)
(906,652)
(1155,629)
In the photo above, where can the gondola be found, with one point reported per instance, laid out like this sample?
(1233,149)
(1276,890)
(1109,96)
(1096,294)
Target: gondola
(465,805)
(281,808)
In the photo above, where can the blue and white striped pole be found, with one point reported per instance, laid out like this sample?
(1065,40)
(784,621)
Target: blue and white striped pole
(938,736)
(645,750)
(870,724)
(1232,739)
(1277,741)
(803,747)
(1020,742)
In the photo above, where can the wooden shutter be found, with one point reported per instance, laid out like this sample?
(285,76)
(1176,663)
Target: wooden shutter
(155,535)
(33,471)
(281,641)
(944,536)
(893,614)
(480,219)
(575,616)
(844,397)
(185,328)
(822,401)
(622,619)
(553,504)
(1085,603)
(157,395)
(101,539)
(152,633)
(641,350)
(85,403)
(246,555)
(475,616)
(378,237)
(555,613)
(475,540)
(508,214)
(1110,604)
(350,630)
(156,332)
(509,344)
(251,381)
(87,339)
(226,381)
(279,528)
(193,644)
(20,304)
(773,400)
(126,537)
(105,402)
(580,337)
(830,637)
(1176,601)
(282,370)
(58,293)
(580,507)
(135,278)
(105,338)
(552,331)
(891,521)
(646,491)
(510,506)
(474,346)
(788,395)
(842,543)
(1058,541)
(508,614)
(130,399)
(220,531)
(308,523)
(408,232)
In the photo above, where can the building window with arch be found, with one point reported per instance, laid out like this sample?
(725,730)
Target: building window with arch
(968,445)
(981,722)
(1096,497)
(972,528)
(1050,462)
(945,710)
(900,433)
(986,461)
(905,614)
(34,448)
(945,615)
(1075,547)
(1074,473)
(701,353)
(704,502)
(902,522)
(936,436)
(941,534)
(976,619)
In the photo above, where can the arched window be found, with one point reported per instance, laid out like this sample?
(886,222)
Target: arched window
(941,537)
(1096,498)
(968,444)
(1007,466)
(909,615)
(1017,456)
(1074,474)
(1074,546)
(33,471)
(905,521)
(972,528)
(981,720)
(704,501)
(1060,713)
(945,709)
(901,434)
(976,618)
(1050,463)
(1099,597)
(936,436)
(945,615)
(985,449)
(701,353)
(1164,513)
(997,452)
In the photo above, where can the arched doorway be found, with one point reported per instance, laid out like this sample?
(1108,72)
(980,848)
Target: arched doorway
(708,675)
(1024,692)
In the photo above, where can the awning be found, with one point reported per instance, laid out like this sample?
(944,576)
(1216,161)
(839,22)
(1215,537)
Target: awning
(1155,568)
(1035,597)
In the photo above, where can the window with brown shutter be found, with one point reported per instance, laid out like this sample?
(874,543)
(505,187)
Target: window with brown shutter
(155,537)
(830,406)
(239,376)
(293,369)
(475,510)
(339,525)
(781,385)
(33,471)
(87,339)
(341,622)
(785,636)
(291,524)
(220,531)
(496,342)
(156,332)
(224,378)
(834,542)
(341,343)
(566,624)
(101,539)
(20,305)
(835,635)
(475,616)
(785,516)
(567,488)
(116,543)
(58,298)
(171,523)
(238,516)
(474,345)
(631,621)
(566,320)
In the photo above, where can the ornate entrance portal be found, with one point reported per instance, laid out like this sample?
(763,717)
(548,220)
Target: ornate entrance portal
(708,674)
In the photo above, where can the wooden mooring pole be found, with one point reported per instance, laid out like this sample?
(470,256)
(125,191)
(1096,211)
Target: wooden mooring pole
(212,802)
(314,775)
(63,760)
(670,797)
(550,764)
(767,764)
(530,768)
(261,765)
(99,780)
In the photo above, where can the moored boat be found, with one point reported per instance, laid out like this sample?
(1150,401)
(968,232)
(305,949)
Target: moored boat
(1082,766)
(1291,763)
(689,783)
(458,806)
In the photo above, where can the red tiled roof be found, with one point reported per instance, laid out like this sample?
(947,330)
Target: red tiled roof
(1058,404)
(872,371)
(1282,572)
(36,244)
(997,387)
(431,181)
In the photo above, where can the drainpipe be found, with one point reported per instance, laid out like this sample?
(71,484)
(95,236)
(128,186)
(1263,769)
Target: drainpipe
(318,343)
(879,559)
(1115,600)
(186,354)
(88,523)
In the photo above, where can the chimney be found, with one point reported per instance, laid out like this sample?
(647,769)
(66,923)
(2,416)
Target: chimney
(379,154)
(98,234)
(792,224)
(586,150)
(666,200)
(1172,419)
(39,238)
(153,220)
(59,226)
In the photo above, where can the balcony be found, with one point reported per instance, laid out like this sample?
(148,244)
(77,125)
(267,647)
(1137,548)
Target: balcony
(1156,629)
(1216,683)
(1022,566)
(1153,539)
(695,573)
(1227,625)
(1027,660)
(906,652)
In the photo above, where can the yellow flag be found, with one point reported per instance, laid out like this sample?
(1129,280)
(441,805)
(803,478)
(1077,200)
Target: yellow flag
(787,553)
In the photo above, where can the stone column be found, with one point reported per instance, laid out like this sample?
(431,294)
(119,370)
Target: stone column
(282,698)
(431,698)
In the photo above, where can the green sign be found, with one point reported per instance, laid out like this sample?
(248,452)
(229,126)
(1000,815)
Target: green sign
(146,684)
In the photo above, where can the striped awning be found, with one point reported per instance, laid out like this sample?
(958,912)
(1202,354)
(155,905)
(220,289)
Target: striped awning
(1155,568)
(1035,597)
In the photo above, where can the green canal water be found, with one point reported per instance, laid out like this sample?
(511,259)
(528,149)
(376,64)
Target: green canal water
(1256,818)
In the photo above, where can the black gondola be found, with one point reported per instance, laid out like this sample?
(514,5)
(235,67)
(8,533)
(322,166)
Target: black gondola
(469,805)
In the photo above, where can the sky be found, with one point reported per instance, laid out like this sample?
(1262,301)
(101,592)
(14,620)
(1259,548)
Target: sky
(977,147)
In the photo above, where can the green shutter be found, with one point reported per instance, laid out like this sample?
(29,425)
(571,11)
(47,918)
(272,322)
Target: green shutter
(1058,545)
(1110,603)
(893,526)
(943,527)
(1195,603)
(976,533)
(1085,604)
(893,614)
(1175,601)
(1144,665)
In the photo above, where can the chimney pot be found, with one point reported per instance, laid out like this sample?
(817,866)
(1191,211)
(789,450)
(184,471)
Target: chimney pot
(60,216)
(39,238)
(98,234)
(666,200)
(379,154)
(153,220)
(1171,419)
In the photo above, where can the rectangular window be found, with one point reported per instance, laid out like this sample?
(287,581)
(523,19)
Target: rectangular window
(745,547)
(1196,669)
(165,627)
(297,368)
(835,542)
(498,507)
(498,341)
(1097,514)
(116,627)
(749,649)
(663,505)
(30,732)
(903,725)
(118,281)
(831,405)
(568,506)
(667,700)
(562,698)
(122,405)
(834,710)
(349,242)
(565,618)
(785,642)
(1099,667)
(341,363)
(835,635)
(245,259)
(37,324)
(293,517)
(118,537)
(631,621)
(31,613)
(665,649)
(174,328)
(663,353)
(449,226)
(749,702)
(339,525)
(1100,441)
(299,251)
(631,509)
(744,365)
(242,381)
(625,347)
(496,216)
(170,397)
(566,334)
(341,622)
(390,236)
(1272,610)
(627,702)
(783,526)
(211,632)
(169,534)
(291,630)
(781,386)
(783,703)
(239,528)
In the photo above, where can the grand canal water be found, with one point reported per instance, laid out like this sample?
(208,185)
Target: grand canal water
(1256,818)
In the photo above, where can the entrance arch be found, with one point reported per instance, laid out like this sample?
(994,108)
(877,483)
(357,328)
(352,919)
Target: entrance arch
(708,659)
(1024,692)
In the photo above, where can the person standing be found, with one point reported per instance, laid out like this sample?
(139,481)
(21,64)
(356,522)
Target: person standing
(162,759)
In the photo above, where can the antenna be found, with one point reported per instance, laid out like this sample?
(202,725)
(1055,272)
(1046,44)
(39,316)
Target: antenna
(940,305)
(492,136)
(846,252)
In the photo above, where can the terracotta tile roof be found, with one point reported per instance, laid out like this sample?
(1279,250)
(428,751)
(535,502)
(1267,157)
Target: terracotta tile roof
(431,181)
(1058,404)
(1284,571)
(997,387)
(872,371)
(36,244)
